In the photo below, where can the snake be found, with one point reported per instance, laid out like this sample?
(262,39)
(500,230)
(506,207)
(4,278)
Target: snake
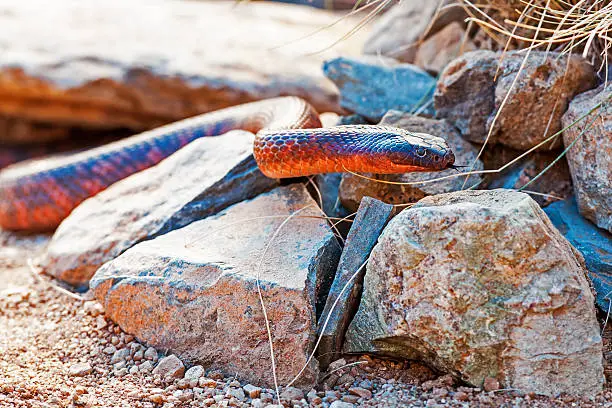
(289,142)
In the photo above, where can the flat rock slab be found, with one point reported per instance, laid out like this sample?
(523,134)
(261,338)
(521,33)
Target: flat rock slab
(371,86)
(594,244)
(345,293)
(199,180)
(590,154)
(353,187)
(480,284)
(193,291)
(472,88)
(141,64)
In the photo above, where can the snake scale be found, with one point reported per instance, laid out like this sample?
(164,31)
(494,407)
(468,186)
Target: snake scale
(289,142)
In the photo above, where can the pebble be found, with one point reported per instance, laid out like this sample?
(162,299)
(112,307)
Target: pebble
(205,382)
(461,396)
(194,373)
(120,355)
(156,398)
(146,367)
(80,369)
(292,393)
(341,404)
(133,369)
(252,391)
(151,354)
(139,355)
(237,393)
(361,392)
(491,384)
(110,349)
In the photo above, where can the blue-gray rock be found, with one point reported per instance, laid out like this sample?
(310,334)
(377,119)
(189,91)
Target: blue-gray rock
(594,244)
(345,293)
(328,186)
(194,292)
(199,180)
(371,86)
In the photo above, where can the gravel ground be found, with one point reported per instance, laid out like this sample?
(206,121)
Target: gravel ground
(60,351)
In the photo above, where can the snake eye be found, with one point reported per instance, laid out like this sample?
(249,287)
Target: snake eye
(421,152)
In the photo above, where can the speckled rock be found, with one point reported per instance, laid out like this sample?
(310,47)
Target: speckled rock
(193,291)
(480,284)
(170,368)
(371,86)
(353,188)
(435,53)
(594,244)
(590,157)
(115,69)
(469,95)
(398,32)
(201,179)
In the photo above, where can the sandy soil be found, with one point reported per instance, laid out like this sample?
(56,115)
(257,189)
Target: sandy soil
(57,350)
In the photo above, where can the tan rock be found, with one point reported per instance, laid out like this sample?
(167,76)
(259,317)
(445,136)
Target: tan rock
(353,188)
(203,178)
(398,32)
(193,291)
(141,65)
(435,53)
(480,284)
(590,157)
(472,88)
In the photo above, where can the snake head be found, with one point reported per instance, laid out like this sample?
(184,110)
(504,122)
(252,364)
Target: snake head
(409,151)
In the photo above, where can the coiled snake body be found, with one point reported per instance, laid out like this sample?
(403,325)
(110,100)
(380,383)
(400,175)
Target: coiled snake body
(289,142)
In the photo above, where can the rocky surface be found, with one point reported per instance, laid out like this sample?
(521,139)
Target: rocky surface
(590,157)
(115,69)
(370,86)
(354,187)
(399,32)
(201,179)
(345,293)
(594,244)
(552,184)
(435,53)
(478,284)
(193,291)
(472,88)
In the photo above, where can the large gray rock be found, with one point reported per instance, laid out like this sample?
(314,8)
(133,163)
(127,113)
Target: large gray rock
(480,284)
(371,86)
(353,188)
(594,244)
(113,68)
(590,157)
(201,179)
(193,291)
(343,299)
(472,88)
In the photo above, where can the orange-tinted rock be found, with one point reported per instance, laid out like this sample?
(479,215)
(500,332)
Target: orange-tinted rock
(480,284)
(435,53)
(590,157)
(201,179)
(353,188)
(140,65)
(193,291)
(472,88)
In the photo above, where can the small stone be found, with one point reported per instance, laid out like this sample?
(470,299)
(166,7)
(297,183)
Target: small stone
(93,308)
(110,349)
(490,384)
(80,369)
(194,373)
(361,392)
(208,402)
(205,382)
(133,369)
(341,404)
(292,393)
(101,322)
(170,367)
(252,391)
(237,393)
(350,398)
(146,367)
(119,365)
(139,355)
(183,383)
(235,384)
(151,354)
(156,398)
(121,373)
(461,396)
(120,355)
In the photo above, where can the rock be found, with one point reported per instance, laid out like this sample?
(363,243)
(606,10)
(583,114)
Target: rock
(237,393)
(398,32)
(469,96)
(590,158)
(371,86)
(114,69)
(194,373)
(354,187)
(169,368)
(145,367)
(490,384)
(480,284)
(291,394)
(343,299)
(551,185)
(193,291)
(151,354)
(120,355)
(341,404)
(594,244)
(201,179)
(252,391)
(361,392)
(80,369)
(328,186)
(435,53)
